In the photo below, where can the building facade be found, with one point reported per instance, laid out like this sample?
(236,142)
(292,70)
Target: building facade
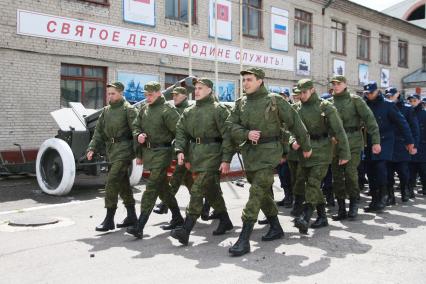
(56,51)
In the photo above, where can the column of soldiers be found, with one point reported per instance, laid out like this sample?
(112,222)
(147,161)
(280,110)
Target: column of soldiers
(303,138)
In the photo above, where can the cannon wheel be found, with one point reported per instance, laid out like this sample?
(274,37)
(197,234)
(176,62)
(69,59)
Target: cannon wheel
(55,167)
(135,173)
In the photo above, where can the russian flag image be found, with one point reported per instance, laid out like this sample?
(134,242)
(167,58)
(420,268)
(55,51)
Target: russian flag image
(280,29)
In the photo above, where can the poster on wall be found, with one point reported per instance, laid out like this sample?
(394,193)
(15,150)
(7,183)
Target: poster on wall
(134,83)
(139,11)
(303,63)
(338,67)
(384,78)
(226,91)
(279,29)
(224,19)
(278,89)
(363,74)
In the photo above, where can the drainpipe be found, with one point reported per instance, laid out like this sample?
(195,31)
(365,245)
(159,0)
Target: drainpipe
(326,6)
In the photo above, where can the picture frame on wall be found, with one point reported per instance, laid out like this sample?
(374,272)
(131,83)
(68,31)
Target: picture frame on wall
(339,67)
(303,63)
(384,78)
(134,83)
(139,12)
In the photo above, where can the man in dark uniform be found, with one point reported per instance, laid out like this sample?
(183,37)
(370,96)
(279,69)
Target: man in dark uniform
(114,130)
(377,155)
(401,157)
(418,161)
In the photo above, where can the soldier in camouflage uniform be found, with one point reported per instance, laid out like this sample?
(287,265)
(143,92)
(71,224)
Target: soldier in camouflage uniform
(256,124)
(354,113)
(154,129)
(323,122)
(114,130)
(181,175)
(203,131)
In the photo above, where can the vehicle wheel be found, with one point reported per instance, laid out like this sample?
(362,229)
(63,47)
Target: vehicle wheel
(55,167)
(135,173)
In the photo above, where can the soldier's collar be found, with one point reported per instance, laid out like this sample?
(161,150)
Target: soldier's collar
(183,103)
(312,99)
(117,104)
(159,101)
(261,92)
(207,100)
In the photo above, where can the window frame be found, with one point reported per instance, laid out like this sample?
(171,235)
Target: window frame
(82,78)
(424,58)
(368,38)
(194,14)
(405,44)
(310,24)
(247,6)
(335,30)
(384,39)
(106,2)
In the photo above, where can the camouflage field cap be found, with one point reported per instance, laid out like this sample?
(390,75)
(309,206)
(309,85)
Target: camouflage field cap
(179,90)
(204,81)
(152,87)
(338,78)
(296,91)
(305,84)
(259,73)
(116,85)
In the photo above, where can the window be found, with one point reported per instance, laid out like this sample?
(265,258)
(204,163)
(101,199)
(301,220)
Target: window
(384,45)
(85,84)
(302,28)
(402,53)
(103,2)
(252,18)
(363,44)
(178,10)
(424,58)
(338,37)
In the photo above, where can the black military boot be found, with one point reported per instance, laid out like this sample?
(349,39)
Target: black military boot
(137,230)
(264,221)
(302,222)
(391,196)
(329,197)
(341,213)
(288,199)
(411,193)
(242,246)
(214,215)
(161,208)
(275,230)
(298,206)
(383,196)
(108,223)
(182,233)
(177,219)
(404,192)
(372,207)
(206,211)
(225,224)
(321,220)
(353,208)
(130,219)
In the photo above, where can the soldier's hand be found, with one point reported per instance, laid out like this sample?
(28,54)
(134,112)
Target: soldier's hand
(139,161)
(181,158)
(376,149)
(334,140)
(224,168)
(411,149)
(89,155)
(343,162)
(308,154)
(141,138)
(295,146)
(254,135)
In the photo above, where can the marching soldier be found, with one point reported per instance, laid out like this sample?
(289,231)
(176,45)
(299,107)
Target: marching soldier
(154,129)
(354,113)
(377,155)
(114,130)
(203,131)
(323,123)
(256,122)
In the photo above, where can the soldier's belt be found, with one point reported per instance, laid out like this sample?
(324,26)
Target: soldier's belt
(206,140)
(263,140)
(114,140)
(318,136)
(151,145)
(351,129)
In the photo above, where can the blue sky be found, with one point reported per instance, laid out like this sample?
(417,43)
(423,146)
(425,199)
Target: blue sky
(377,4)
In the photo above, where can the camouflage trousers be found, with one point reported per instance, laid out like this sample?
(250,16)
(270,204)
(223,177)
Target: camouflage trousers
(260,197)
(157,186)
(345,178)
(206,184)
(118,184)
(308,183)
(292,165)
(180,176)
